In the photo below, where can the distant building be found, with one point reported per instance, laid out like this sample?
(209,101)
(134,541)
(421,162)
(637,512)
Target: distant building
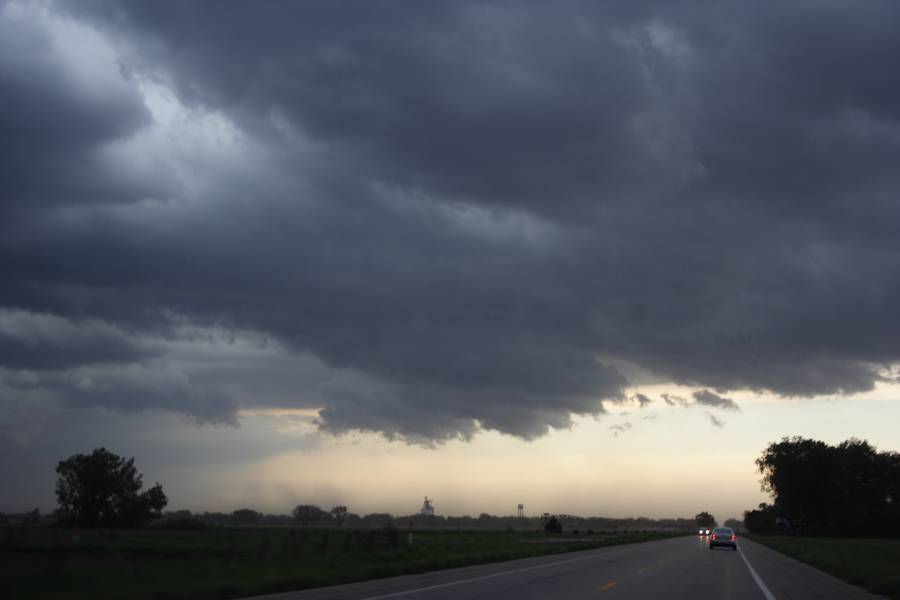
(427,508)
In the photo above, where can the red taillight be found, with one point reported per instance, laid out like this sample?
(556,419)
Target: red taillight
(714,536)
(733,537)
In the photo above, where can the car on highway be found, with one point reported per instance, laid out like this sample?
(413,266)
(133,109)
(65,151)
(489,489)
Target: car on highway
(723,536)
(705,531)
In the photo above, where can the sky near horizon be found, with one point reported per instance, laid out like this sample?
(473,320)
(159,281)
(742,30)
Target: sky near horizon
(591,258)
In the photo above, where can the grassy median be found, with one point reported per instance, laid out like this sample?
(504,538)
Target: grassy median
(873,564)
(231,563)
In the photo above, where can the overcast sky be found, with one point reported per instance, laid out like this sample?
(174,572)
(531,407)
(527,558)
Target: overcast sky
(289,251)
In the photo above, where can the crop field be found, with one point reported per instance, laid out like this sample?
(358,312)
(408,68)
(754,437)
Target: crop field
(873,564)
(232,563)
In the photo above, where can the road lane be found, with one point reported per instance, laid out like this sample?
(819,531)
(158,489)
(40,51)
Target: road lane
(679,568)
(675,568)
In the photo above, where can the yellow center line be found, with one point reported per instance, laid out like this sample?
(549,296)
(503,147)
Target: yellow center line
(607,586)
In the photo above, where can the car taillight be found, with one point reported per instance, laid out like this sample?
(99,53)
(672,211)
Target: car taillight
(733,537)
(714,536)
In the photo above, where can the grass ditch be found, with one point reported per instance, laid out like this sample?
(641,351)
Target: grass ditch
(39,564)
(873,564)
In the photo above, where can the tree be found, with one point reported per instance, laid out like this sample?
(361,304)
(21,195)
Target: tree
(245,516)
(377,520)
(308,514)
(796,472)
(339,513)
(760,520)
(704,519)
(848,489)
(553,525)
(102,489)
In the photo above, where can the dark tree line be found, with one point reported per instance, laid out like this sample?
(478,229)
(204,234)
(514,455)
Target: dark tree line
(102,489)
(818,489)
(311,516)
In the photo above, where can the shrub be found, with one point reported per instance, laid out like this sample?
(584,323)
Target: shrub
(553,525)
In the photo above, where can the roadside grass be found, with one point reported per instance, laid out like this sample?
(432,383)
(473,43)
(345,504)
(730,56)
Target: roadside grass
(873,564)
(232,563)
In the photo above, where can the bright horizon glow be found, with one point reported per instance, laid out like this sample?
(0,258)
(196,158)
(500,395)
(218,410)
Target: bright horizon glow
(663,465)
(671,463)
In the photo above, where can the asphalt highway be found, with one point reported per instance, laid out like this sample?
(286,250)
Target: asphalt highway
(674,568)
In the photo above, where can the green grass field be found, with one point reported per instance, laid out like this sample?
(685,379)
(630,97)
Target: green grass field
(870,563)
(231,563)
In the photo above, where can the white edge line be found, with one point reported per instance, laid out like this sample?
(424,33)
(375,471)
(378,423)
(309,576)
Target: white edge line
(757,578)
(492,575)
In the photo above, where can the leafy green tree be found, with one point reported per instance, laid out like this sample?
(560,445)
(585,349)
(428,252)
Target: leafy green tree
(102,489)
(848,489)
(796,472)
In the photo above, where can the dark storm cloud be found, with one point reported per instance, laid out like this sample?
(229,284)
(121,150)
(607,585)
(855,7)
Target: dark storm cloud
(708,398)
(43,342)
(58,114)
(467,212)
(701,398)
(403,411)
(130,391)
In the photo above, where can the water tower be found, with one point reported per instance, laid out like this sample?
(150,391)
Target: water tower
(521,511)
(427,508)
